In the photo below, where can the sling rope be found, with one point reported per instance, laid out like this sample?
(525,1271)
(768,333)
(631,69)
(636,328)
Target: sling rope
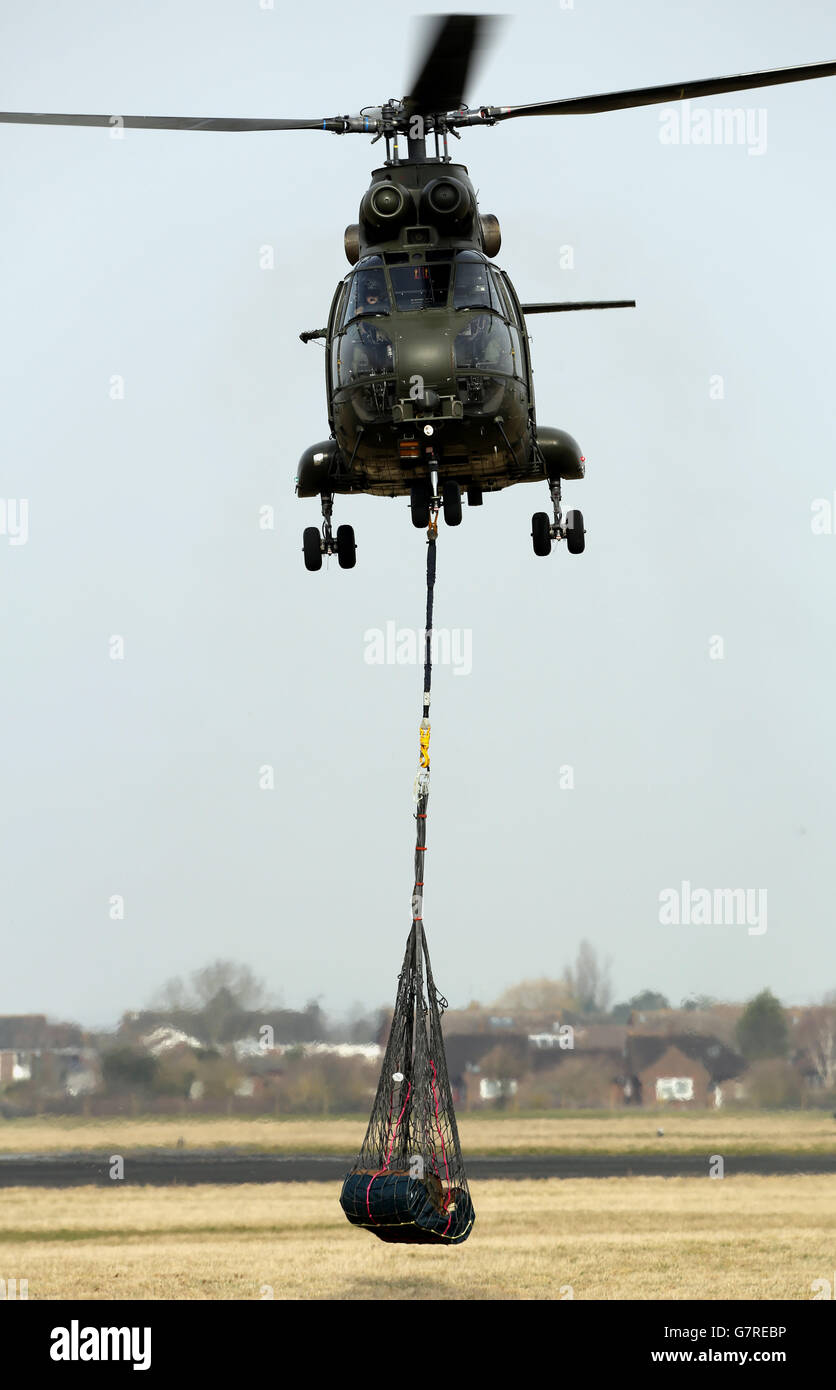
(422,781)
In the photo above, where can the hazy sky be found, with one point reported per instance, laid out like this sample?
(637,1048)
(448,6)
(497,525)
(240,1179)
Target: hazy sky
(139,777)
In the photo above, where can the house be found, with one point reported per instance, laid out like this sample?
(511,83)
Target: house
(686,1069)
(486,1065)
(716,1020)
(15,1066)
(33,1049)
(466,1053)
(165,1038)
(33,1033)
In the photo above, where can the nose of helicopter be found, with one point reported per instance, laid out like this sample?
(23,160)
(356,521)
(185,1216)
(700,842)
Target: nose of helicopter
(424,359)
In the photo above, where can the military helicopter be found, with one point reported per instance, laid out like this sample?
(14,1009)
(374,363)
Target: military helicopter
(428,370)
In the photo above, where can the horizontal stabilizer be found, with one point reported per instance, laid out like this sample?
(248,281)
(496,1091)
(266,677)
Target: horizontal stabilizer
(566,305)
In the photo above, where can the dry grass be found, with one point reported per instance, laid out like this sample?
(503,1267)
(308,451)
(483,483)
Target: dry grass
(694,1131)
(618,1238)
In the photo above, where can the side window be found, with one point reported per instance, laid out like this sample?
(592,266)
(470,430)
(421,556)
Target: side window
(502,296)
(509,300)
(516,350)
(335,316)
(484,344)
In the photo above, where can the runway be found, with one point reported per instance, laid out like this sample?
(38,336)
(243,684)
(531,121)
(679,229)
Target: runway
(165,1168)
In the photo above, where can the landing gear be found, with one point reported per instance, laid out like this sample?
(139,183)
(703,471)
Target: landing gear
(426,496)
(424,502)
(575,534)
(543,531)
(316,544)
(346,547)
(312,548)
(474,495)
(451,501)
(420,499)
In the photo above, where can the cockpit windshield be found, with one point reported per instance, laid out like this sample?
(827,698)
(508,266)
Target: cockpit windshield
(474,288)
(368,294)
(484,345)
(421,286)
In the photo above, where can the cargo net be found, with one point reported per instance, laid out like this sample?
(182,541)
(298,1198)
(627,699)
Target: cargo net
(408,1182)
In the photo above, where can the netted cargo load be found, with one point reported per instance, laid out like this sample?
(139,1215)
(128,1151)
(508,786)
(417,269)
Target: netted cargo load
(408,1182)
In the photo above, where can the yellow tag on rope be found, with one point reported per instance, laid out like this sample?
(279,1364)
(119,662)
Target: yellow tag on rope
(424,743)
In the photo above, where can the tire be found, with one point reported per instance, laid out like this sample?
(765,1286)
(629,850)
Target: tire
(346,547)
(311,548)
(420,505)
(575,537)
(474,495)
(541,533)
(451,501)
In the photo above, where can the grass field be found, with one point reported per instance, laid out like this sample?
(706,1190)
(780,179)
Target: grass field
(617,1238)
(686,1132)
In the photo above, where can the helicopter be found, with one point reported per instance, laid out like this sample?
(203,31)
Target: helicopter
(428,370)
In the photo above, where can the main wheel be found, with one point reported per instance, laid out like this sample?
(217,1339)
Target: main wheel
(420,504)
(575,536)
(451,501)
(474,495)
(311,548)
(346,547)
(541,533)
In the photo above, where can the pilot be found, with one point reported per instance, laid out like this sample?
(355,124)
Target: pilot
(372,351)
(372,298)
(479,344)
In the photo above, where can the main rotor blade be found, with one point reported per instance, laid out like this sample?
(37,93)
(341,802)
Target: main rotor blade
(336,123)
(451,46)
(652,96)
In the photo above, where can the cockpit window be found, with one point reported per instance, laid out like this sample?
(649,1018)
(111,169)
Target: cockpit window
(421,286)
(472,288)
(367,294)
(484,345)
(364,350)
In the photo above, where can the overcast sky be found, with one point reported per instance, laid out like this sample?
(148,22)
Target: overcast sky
(706,416)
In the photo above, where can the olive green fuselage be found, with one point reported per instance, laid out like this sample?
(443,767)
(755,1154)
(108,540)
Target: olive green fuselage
(427,356)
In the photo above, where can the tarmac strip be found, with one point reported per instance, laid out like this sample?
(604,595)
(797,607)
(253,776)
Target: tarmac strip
(165,1168)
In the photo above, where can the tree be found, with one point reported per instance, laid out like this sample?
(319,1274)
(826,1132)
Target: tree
(647,1001)
(241,985)
(816,1033)
(773,1084)
(125,1070)
(762,1028)
(578,1083)
(504,1064)
(589,981)
(173,997)
(541,996)
(215,1014)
